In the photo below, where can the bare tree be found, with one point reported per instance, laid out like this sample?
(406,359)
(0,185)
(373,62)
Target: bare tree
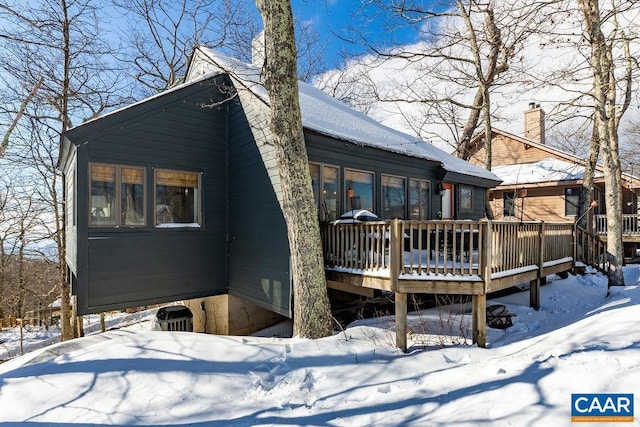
(56,41)
(612,68)
(464,51)
(25,279)
(164,33)
(312,316)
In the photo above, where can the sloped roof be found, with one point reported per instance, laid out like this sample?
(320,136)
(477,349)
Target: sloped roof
(560,166)
(326,115)
(543,171)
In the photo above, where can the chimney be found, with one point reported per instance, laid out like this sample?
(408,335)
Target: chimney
(258,54)
(534,123)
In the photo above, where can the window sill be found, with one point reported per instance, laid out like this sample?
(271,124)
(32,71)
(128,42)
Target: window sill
(179,225)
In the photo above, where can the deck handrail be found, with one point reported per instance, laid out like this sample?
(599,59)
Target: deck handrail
(630,224)
(447,247)
(590,249)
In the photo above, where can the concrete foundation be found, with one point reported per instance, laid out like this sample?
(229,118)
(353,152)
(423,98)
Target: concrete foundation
(229,315)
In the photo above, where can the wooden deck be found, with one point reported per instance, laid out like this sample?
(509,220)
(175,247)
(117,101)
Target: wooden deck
(450,257)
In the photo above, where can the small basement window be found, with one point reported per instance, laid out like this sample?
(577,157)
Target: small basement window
(178,198)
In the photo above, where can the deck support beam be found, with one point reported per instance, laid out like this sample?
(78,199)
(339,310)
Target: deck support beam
(534,285)
(401,321)
(479,319)
(534,294)
(395,262)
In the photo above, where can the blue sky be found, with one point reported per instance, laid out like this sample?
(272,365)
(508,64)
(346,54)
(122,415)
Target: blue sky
(331,17)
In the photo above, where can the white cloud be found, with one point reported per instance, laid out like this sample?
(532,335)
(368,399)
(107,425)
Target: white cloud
(549,57)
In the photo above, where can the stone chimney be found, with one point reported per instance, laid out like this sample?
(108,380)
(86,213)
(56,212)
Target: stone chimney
(258,54)
(534,123)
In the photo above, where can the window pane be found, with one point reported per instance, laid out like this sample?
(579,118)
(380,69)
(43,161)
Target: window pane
(466,198)
(419,190)
(70,196)
(330,183)
(177,198)
(314,171)
(571,201)
(103,195)
(393,197)
(132,196)
(509,205)
(359,190)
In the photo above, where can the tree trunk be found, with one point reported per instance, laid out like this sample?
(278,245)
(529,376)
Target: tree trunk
(65,290)
(586,191)
(312,315)
(605,120)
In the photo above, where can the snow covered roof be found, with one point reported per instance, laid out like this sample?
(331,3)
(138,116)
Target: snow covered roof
(326,115)
(545,170)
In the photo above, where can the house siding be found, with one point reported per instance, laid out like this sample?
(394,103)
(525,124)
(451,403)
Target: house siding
(545,203)
(259,265)
(505,151)
(130,267)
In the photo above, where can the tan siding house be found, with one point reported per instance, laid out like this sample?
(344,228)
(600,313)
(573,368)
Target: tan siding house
(541,182)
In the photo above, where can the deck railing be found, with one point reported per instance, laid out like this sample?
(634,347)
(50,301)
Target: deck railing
(441,247)
(590,249)
(558,241)
(630,224)
(362,246)
(459,248)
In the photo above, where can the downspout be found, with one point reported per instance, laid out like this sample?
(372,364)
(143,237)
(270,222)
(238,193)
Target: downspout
(227,210)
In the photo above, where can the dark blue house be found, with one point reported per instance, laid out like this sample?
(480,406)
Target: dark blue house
(177,197)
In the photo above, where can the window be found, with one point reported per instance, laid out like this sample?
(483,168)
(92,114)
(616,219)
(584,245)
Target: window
(132,196)
(419,191)
(466,198)
(509,203)
(103,195)
(177,199)
(117,189)
(325,181)
(314,171)
(571,201)
(359,190)
(393,197)
(70,195)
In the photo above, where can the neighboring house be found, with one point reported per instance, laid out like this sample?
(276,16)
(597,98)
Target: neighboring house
(540,182)
(177,197)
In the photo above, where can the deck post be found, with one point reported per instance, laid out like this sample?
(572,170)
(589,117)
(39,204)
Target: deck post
(479,302)
(534,285)
(395,259)
(401,321)
(479,319)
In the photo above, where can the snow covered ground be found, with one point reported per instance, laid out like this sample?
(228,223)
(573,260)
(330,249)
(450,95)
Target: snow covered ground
(580,341)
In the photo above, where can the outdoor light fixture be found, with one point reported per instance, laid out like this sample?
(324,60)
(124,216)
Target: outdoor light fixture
(441,190)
